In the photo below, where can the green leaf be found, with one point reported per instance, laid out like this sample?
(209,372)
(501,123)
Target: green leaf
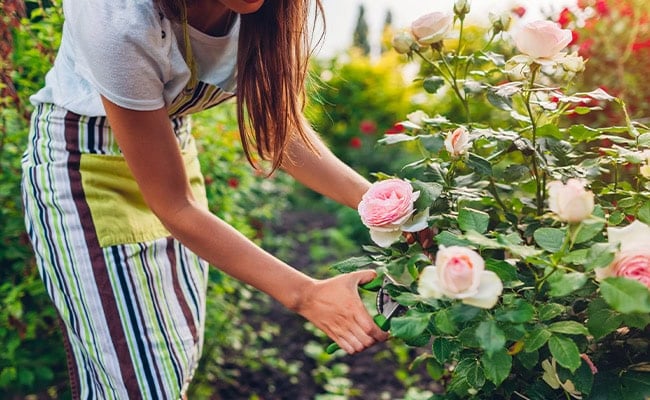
(536,339)
(352,264)
(411,325)
(497,366)
(600,255)
(500,102)
(429,192)
(434,368)
(636,320)
(516,172)
(444,322)
(603,321)
(569,328)
(626,295)
(442,349)
(565,352)
(479,165)
(636,385)
(490,337)
(549,311)
(432,83)
(577,257)
(528,359)
(518,312)
(644,139)
(588,230)
(469,219)
(504,270)
(583,133)
(446,238)
(644,213)
(549,130)
(474,375)
(550,239)
(563,284)
(582,110)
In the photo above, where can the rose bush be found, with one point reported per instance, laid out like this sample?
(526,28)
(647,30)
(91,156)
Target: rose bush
(529,278)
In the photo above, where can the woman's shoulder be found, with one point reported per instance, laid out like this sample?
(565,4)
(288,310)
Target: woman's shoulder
(114,17)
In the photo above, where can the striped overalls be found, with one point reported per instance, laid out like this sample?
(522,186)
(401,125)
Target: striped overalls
(131,297)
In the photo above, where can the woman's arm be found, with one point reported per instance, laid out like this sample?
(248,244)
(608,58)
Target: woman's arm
(324,172)
(151,151)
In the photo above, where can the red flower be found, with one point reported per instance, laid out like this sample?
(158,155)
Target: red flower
(233,183)
(397,128)
(519,11)
(574,38)
(601,7)
(368,127)
(355,142)
(585,48)
(641,45)
(565,18)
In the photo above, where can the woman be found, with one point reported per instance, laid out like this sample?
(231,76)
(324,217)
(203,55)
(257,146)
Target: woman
(114,199)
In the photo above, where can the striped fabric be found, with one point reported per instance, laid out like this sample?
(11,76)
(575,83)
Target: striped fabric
(133,313)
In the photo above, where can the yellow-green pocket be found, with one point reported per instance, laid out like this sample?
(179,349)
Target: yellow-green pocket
(118,210)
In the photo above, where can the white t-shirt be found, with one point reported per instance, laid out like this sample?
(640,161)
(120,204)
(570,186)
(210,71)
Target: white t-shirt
(128,52)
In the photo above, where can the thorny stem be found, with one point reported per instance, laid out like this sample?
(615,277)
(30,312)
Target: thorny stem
(535,167)
(496,196)
(454,83)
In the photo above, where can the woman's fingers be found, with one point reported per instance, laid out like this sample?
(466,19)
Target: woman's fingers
(334,306)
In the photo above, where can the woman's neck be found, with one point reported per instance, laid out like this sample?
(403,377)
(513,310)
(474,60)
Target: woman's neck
(210,17)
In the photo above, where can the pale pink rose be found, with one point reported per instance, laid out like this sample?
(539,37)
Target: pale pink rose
(431,28)
(459,273)
(633,258)
(571,201)
(386,208)
(542,39)
(457,142)
(403,41)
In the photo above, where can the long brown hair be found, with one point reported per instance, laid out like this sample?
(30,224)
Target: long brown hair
(272,66)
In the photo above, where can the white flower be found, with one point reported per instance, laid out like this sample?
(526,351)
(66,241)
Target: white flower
(403,41)
(431,28)
(542,39)
(459,273)
(571,201)
(417,117)
(457,142)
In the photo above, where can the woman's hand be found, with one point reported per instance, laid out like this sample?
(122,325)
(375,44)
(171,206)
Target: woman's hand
(335,307)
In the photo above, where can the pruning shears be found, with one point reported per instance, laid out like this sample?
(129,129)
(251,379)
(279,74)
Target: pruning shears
(386,306)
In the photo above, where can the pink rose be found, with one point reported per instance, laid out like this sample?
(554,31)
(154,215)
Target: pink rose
(457,142)
(571,201)
(431,28)
(542,39)
(633,258)
(459,273)
(387,210)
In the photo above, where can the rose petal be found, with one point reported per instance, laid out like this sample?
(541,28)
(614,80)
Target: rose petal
(384,238)
(417,222)
(429,285)
(488,293)
(635,236)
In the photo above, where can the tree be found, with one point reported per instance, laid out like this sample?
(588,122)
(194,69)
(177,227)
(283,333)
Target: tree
(360,38)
